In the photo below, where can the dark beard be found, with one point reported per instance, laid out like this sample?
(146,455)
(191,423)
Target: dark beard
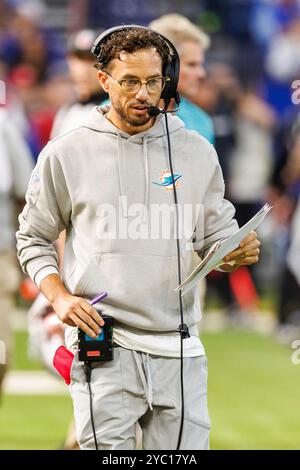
(137,122)
(133,122)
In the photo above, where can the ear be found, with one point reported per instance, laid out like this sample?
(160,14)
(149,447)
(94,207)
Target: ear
(103,80)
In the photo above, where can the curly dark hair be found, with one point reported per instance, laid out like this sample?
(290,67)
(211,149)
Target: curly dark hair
(131,40)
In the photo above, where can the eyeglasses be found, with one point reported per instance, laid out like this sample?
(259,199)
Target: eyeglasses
(133,85)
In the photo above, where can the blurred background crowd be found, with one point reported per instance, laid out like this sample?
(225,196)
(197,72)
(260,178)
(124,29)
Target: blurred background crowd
(240,92)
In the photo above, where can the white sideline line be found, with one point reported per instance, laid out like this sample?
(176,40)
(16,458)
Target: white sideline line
(33,383)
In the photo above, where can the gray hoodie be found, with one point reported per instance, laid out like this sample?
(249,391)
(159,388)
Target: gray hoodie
(83,175)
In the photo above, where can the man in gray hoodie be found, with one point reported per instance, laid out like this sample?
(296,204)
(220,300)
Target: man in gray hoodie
(108,184)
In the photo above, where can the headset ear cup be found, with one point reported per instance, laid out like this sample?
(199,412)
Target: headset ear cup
(166,93)
(171,70)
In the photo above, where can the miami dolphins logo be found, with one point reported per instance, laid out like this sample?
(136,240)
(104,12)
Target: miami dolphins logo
(165,180)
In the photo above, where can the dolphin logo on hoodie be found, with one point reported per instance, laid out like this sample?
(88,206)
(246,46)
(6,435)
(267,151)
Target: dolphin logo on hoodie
(166,181)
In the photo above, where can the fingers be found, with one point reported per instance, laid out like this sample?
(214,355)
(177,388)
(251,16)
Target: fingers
(92,312)
(70,322)
(248,257)
(234,254)
(252,236)
(250,249)
(91,318)
(253,245)
(75,311)
(88,320)
(247,261)
(82,325)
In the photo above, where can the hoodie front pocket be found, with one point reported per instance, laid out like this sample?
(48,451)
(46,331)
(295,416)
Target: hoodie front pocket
(137,287)
(89,277)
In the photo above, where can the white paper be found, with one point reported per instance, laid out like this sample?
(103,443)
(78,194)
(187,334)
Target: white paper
(221,249)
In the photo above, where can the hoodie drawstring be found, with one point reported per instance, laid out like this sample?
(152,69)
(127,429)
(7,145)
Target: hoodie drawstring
(145,377)
(146,199)
(147,178)
(123,205)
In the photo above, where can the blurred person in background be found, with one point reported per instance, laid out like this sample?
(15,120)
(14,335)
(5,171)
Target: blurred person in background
(218,94)
(30,57)
(84,82)
(244,129)
(191,43)
(289,305)
(15,169)
(252,158)
(25,41)
(284,195)
(282,67)
(269,17)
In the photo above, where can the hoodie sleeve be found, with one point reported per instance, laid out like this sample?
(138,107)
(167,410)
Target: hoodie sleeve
(45,215)
(216,219)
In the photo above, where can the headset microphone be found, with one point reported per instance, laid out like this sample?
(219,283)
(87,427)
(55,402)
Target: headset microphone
(154,111)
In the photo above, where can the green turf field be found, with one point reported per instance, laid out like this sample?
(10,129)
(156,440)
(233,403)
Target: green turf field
(253,392)
(253,398)
(38,422)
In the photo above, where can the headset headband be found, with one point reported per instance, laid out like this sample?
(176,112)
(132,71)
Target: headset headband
(171,69)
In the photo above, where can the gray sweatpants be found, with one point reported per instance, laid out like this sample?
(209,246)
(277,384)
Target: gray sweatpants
(138,387)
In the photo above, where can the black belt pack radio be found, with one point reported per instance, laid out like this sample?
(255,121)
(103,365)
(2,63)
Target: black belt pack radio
(99,349)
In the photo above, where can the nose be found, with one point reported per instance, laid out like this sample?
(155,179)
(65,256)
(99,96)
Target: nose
(201,72)
(142,94)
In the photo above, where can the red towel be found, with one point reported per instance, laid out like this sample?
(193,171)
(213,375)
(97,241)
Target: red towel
(62,361)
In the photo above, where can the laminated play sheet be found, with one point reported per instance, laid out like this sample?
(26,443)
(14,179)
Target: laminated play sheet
(220,249)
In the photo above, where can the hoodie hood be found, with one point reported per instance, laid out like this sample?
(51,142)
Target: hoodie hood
(98,122)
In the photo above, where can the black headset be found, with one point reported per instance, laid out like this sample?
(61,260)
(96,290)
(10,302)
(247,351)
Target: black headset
(170,69)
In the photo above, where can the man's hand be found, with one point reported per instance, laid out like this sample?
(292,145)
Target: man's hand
(75,311)
(70,309)
(246,254)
